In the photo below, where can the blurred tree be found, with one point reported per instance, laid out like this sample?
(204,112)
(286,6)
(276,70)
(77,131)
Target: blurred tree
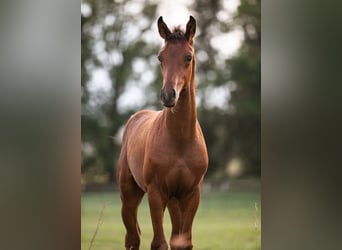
(109,41)
(246,71)
(232,130)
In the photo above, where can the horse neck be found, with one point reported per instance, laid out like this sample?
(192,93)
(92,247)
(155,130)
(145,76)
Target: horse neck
(181,119)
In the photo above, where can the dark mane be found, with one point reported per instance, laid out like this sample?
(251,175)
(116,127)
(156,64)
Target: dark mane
(177,35)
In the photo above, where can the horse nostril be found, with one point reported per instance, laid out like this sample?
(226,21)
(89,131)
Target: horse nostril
(168,97)
(173,93)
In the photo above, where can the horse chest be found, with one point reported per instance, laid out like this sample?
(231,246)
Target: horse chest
(176,168)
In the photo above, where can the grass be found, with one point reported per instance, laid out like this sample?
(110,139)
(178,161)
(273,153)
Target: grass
(224,221)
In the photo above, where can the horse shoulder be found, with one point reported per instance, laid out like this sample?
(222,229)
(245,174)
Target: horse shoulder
(197,154)
(137,130)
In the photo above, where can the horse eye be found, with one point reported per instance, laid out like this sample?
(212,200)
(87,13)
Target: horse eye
(188,58)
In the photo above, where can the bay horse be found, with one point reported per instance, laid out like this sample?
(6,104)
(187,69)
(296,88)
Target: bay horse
(163,152)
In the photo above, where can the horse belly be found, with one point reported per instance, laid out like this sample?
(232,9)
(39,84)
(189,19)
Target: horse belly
(135,159)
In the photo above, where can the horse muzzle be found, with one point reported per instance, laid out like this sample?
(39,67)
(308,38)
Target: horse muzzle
(168,98)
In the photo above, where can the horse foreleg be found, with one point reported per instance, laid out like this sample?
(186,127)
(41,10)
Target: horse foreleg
(175,215)
(131,196)
(188,206)
(157,207)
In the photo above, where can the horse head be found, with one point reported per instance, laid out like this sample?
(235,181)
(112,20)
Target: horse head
(177,60)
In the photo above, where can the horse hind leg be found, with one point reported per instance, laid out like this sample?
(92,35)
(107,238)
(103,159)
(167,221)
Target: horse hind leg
(131,196)
(131,199)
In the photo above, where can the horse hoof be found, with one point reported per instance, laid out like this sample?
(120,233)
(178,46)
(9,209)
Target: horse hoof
(160,247)
(132,248)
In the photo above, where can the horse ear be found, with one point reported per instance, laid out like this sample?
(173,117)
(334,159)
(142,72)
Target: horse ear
(164,31)
(190,29)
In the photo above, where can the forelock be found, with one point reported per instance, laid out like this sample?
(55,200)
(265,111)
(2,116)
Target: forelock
(177,35)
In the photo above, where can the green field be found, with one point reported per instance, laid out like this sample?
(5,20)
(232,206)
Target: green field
(224,221)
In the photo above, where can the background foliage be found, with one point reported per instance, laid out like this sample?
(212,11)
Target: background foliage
(116,39)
